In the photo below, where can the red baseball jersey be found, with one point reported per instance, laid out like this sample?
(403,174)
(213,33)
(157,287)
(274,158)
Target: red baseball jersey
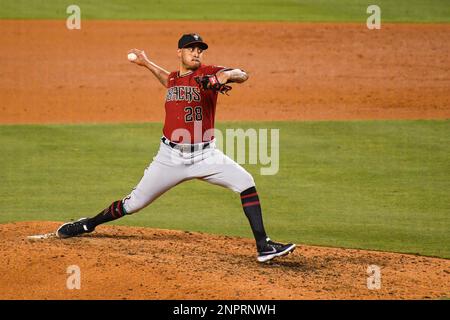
(190,111)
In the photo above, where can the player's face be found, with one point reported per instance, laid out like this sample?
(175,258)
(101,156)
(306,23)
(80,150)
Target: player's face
(191,57)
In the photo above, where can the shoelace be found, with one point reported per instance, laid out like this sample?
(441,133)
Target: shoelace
(76,226)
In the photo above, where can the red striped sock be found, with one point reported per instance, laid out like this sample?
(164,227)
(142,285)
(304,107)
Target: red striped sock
(252,209)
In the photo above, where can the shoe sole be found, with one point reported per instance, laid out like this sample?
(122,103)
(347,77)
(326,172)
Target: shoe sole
(275,255)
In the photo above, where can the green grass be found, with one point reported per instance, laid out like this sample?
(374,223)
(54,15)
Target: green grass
(379,185)
(259,10)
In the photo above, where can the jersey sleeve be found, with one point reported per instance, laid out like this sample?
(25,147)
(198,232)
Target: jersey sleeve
(215,69)
(172,76)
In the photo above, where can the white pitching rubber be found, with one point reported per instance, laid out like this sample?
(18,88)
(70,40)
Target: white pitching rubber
(42,236)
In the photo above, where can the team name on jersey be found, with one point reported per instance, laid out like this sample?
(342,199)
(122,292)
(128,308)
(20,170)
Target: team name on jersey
(183,93)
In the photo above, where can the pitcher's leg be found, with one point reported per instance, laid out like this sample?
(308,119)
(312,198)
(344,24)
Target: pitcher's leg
(253,212)
(225,172)
(157,179)
(221,170)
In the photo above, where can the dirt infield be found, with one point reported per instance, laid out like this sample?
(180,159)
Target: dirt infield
(297,71)
(144,263)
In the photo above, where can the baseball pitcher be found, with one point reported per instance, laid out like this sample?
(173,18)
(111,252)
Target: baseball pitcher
(187,148)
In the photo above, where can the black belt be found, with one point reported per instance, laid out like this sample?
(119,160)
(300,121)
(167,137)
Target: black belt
(185,147)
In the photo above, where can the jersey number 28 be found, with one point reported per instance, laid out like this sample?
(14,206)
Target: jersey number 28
(193,113)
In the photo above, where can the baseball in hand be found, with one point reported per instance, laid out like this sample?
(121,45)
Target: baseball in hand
(132,56)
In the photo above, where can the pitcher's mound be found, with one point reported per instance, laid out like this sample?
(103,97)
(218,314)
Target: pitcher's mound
(142,263)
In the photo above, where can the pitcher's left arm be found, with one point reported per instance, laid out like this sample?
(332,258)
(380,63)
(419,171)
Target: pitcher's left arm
(232,75)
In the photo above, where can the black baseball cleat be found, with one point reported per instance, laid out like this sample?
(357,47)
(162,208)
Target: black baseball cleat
(271,250)
(73,229)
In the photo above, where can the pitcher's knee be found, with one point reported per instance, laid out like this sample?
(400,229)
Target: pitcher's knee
(245,182)
(134,203)
(129,206)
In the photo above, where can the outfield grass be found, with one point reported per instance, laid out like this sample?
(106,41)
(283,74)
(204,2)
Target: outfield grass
(259,10)
(374,185)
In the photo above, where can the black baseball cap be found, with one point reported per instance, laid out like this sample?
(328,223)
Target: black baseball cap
(191,38)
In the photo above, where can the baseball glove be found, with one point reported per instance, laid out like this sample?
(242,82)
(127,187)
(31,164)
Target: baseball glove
(210,82)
